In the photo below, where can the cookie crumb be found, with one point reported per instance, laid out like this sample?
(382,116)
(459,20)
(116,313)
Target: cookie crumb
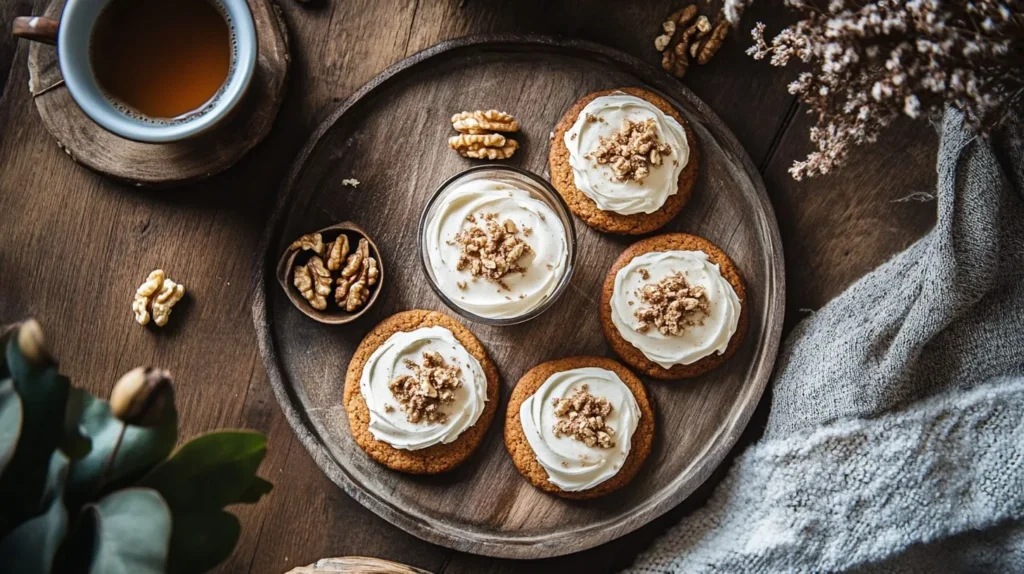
(582,417)
(491,250)
(632,151)
(672,305)
(432,384)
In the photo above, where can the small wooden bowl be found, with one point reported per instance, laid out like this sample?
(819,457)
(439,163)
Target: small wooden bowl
(286,265)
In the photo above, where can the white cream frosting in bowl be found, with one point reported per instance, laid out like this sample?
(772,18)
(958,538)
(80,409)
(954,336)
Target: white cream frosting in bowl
(388,423)
(711,335)
(543,223)
(602,118)
(570,464)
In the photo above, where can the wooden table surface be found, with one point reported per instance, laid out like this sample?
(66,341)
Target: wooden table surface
(75,245)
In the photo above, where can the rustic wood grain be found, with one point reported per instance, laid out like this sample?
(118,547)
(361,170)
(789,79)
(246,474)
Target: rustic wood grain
(167,164)
(75,245)
(484,507)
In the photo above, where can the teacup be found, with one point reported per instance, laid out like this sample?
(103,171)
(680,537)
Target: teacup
(73,35)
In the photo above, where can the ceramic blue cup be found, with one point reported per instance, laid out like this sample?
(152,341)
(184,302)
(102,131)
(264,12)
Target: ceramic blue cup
(72,35)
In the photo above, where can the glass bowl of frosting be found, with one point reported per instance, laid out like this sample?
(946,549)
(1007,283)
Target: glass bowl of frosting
(497,244)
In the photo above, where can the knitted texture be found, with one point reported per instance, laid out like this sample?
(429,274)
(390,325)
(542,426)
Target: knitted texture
(895,441)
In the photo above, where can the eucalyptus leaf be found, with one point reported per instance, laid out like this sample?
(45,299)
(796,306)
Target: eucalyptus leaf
(210,471)
(141,448)
(131,531)
(43,393)
(73,443)
(32,547)
(201,540)
(255,491)
(10,422)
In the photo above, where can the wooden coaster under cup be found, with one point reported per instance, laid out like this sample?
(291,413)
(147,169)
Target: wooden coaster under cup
(167,164)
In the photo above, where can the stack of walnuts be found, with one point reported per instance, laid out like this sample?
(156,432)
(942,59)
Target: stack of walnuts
(687,37)
(478,134)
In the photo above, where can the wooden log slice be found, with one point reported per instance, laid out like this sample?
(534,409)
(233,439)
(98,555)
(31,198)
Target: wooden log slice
(160,165)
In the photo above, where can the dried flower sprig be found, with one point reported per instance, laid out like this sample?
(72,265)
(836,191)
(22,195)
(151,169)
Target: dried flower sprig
(873,61)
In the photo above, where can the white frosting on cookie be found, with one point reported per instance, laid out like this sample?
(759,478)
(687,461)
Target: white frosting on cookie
(387,421)
(602,118)
(570,464)
(712,335)
(544,266)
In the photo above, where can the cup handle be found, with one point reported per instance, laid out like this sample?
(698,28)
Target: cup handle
(36,28)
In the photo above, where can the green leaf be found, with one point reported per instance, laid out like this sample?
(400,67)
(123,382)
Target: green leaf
(222,462)
(74,444)
(32,546)
(43,393)
(141,449)
(10,422)
(131,532)
(201,540)
(257,488)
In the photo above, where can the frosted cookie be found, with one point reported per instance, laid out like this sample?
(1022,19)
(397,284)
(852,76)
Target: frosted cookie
(420,392)
(624,160)
(673,306)
(579,427)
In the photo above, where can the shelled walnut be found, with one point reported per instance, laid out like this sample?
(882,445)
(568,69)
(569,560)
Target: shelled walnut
(155,298)
(483,122)
(477,139)
(313,280)
(332,275)
(483,146)
(683,41)
(360,273)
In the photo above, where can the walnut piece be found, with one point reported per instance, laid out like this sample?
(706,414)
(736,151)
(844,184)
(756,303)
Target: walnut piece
(672,305)
(483,122)
(310,242)
(169,295)
(483,146)
(140,304)
(313,280)
(632,150)
(709,47)
(360,273)
(337,251)
(582,417)
(431,385)
(491,250)
(155,298)
(682,41)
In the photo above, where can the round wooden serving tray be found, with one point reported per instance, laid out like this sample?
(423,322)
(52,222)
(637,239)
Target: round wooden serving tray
(166,164)
(391,135)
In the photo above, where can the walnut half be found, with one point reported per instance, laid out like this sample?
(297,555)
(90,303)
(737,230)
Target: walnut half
(483,122)
(155,298)
(360,273)
(313,280)
(483,146)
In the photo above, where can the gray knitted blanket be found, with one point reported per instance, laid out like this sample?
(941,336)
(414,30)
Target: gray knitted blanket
(896,436)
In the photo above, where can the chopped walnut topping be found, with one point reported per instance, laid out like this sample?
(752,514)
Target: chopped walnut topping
(432,384)
(632,151)
(672,305)
(582,418)
(644,273)
(491,250)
